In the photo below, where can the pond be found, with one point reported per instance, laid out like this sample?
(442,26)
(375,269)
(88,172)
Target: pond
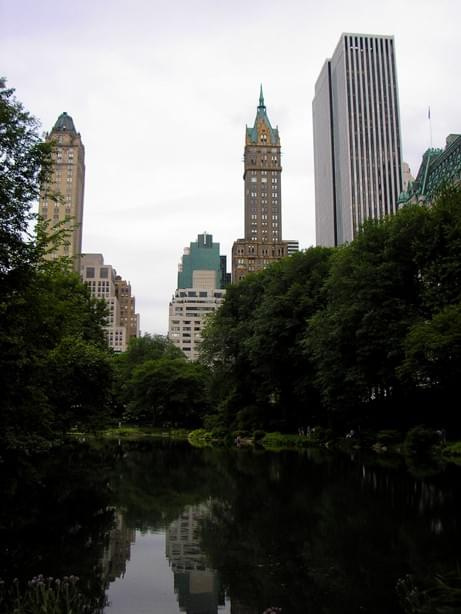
(157,526)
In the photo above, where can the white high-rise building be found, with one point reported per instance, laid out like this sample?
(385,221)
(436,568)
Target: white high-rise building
(357,149)
(201,280)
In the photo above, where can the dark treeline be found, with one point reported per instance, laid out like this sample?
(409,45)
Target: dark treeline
(55,370)
(364,335)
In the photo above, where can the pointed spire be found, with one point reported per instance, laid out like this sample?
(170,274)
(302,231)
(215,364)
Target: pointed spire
(261,98)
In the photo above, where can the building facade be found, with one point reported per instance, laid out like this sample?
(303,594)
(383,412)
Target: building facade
(202,278)
(262,243)
(357,143)
(61,201)
(439,167)
(101,280)
(128,316)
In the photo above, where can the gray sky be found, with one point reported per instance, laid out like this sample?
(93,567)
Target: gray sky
(161,93)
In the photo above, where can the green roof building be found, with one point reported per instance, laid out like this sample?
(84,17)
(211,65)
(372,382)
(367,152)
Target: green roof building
(202,260)
(439,167)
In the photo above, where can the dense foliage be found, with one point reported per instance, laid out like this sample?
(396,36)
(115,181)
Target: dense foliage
(156,385)
(53,355)
(367,334)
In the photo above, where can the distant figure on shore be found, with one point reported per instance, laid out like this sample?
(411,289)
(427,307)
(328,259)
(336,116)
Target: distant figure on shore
(237,441)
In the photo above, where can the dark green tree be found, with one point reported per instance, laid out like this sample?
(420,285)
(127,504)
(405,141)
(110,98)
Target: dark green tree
(25,162)
(41,302)
(140,350)
(255,343)
(169,392)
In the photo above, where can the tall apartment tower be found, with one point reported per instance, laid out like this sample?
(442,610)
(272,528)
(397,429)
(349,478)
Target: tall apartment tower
(357,150)
(263,243)
(202,279)
(61,202)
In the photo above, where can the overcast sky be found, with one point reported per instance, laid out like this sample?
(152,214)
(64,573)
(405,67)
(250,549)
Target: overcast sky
(161,93)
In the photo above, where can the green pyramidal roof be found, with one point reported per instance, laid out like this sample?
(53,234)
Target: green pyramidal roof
(252,133)
(65,122)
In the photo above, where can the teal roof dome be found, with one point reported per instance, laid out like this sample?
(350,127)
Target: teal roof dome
(64,123)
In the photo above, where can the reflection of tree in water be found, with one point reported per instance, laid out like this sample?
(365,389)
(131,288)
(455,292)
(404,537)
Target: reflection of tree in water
(322,537)
(318,534)
(55,515)
(154,482)
(196,584)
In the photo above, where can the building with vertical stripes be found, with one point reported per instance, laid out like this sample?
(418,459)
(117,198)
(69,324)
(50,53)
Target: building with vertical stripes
(357,149)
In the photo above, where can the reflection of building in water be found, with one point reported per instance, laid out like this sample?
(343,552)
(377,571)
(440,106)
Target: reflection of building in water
(196,585)
(240,608)
(118,549)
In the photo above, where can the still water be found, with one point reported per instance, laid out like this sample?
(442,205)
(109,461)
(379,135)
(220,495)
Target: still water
(161,527)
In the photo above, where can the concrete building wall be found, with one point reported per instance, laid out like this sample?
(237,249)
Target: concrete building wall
(362,178)
(187,316)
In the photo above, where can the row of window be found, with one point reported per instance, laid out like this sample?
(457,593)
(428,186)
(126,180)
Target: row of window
(90,272)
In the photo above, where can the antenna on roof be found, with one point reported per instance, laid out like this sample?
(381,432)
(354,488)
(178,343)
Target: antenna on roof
(430,126)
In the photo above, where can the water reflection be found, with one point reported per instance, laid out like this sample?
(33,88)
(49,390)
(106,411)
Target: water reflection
(118,549)
(197,586)
(163,528)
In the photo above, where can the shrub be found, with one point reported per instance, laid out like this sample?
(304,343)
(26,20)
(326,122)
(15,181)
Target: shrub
(219,433)
(421,440)
(388,437)
(258,435)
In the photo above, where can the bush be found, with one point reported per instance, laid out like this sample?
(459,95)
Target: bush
(219,433)
(258,435)
(388,437)
(212,421)
(243,434)
(421,440)
(321,434)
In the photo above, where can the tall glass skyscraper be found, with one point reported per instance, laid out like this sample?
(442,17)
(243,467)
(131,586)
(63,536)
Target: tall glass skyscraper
(357,151)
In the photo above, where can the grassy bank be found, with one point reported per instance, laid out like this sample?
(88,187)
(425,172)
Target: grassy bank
(136,432)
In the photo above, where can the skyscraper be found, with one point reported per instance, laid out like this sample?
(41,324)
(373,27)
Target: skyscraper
(202,278)
(263,199)
(61,202)
(357,152)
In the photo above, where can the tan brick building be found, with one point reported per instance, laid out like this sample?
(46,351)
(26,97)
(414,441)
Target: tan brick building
(61,202)
(263,242)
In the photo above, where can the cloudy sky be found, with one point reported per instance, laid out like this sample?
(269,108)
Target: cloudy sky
(161,93)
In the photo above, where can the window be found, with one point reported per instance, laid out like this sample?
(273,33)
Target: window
(104,273)
(90,272)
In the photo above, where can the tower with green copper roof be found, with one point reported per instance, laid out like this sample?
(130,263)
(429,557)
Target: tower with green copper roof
(262,242)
